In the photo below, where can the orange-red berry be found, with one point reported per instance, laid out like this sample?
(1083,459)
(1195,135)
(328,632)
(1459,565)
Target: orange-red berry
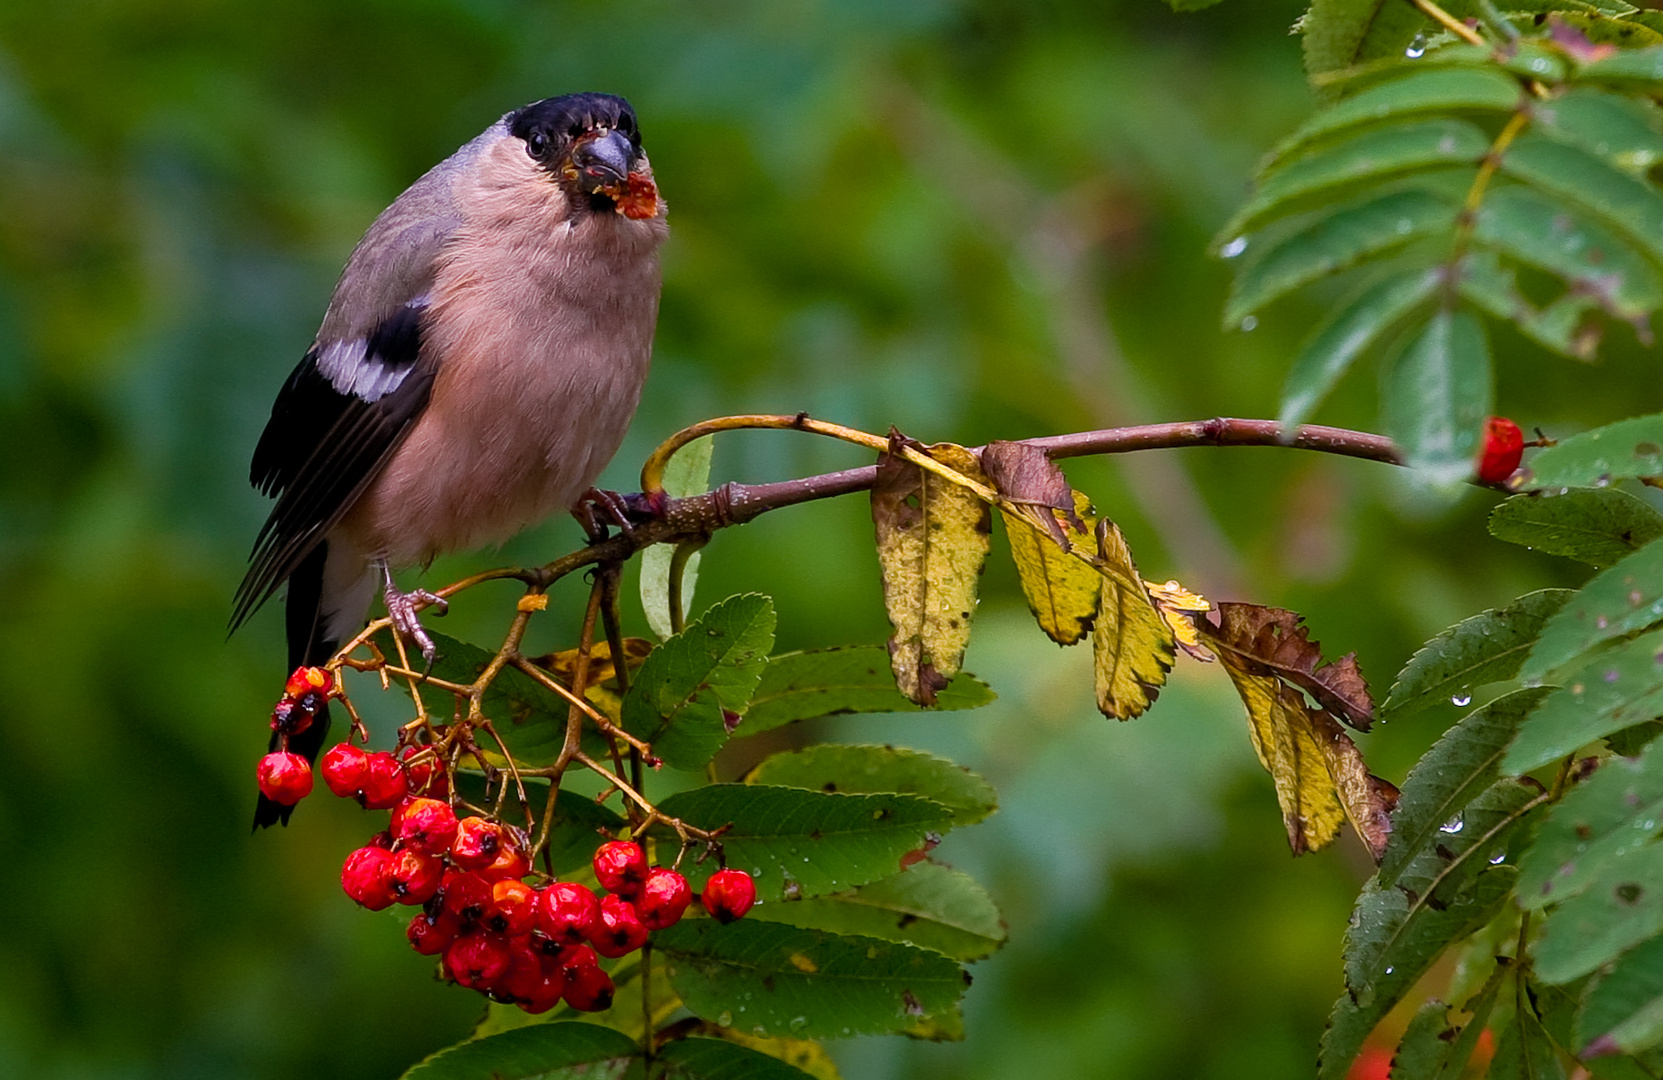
(307,679)
(567,912)
(477,959)
(384,785)
(284,777)
(477,842)
(619,930)
(588,989)
(1503,449)
(663,898)
(728,895)
(621,867)
(512,909)
(465,895)
(415,877)
(431,933)
(426,825)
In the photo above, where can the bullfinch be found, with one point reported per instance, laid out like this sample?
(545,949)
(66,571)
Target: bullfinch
(478,364)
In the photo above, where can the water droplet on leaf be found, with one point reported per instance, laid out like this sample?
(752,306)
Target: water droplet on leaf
(1234,247)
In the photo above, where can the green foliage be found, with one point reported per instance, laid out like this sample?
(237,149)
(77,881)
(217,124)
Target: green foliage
(1486,648)
(1595,526)
(855,770)
(562,1051)
(1620,451)
(854,679)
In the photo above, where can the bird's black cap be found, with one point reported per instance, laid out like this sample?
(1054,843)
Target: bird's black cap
(560,120)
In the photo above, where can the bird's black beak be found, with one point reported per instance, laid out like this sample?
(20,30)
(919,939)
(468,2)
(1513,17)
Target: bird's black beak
(602,163)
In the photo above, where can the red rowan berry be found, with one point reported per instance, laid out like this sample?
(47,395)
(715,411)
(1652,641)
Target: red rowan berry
(307,679)
(511,909)
(573,957)
(477,959)
(621,867)
(619,930)
(364,877)
(415,877)
(512,860)
(728,895)
(567,912)
(1503,449)
(343,769)
(425,776)
(431,933)
(465,895)
(588,989)
(476,844)
(664,897)
(291,717)
(284,777)
(533,980)
(425,825)
(384,785)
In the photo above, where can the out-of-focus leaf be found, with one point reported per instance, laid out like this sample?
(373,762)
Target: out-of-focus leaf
(1461,765)
(852,679)
(1350,1024)
(1190,5)
(867,770)
(1278,640)
(1621,129)
(687,473)
(1437,396)
(1598,821)
(1625,597)
(803,1054)
(1342,33)
(1598,526)
(1593,261)
(798,843)
(1623,1011)
(944,1026)
(1524,1051)
(1630,206)
(1616,690)
(1348,333)
(1566,325)
(1337,239)
(777,980)
(1061,591)
(1626,67)
(1620,907)
(1426,1044)
(1628,448)
(1375,154)
(683,694)
(560,1051)
(1132,646)
(927,905)
(720,1059)
(932,542)
(1487,648)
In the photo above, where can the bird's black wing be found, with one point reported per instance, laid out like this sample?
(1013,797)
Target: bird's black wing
(336,421)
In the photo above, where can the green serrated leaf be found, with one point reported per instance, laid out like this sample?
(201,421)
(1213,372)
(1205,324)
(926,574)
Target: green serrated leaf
(805,843)
(853,679)
(689,684)
(560,1051)
(775,980)
(865,770)
(718,1059)
(1333,241)
(1460,766)
(1487,648)
(1348,333)
(1437,396)
(688,473)
(927,905)
(1542,232)
(1620,907)
(1597,526)
(1625,597)
(1523,1049)
(1426,1043)
(575,830)
(1633,208)
(1621,129)
(1598,821)
(1618,689)
(1342,33)
(1628,448)
(1381,153)
(1623,1011)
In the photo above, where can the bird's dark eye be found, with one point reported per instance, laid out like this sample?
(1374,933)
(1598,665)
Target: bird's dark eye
(537,144)
(626,124)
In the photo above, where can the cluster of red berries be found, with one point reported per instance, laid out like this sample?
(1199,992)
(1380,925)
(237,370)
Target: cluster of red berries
(284,777)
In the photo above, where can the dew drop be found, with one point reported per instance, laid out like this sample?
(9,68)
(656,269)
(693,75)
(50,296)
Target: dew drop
(724,1019)
(1249,323)
(797,1023)
(1601,622)
(1498,859)
(1390,969)
(1234,247)
(1461,701)
(1453,825)
(1417,48)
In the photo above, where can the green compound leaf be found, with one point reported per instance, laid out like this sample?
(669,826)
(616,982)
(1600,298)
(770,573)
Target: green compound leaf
(1629,205)
(528,715)
(718,1059)
(1628,448)
(1342,33)
(1524,1051)
(1487,648)
(1625,597)
(1565,325)
(1437,396)
(1623,1013)
(1616,690)
(1463,764)
(769,979)
(1599,821)
(1349,333)
(559,1051)
(1335,240)
(1620,129)
(799,843)
(853,679)
(1597,526)
(928,905)
(865,770)
(1621,906)
(686,691)
(1376,154)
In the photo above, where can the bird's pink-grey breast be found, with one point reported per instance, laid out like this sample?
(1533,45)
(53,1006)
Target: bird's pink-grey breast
(479,361)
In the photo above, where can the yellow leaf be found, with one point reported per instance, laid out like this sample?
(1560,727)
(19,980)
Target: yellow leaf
(932,539)
(804,1054)
(1062,591)
(1172,600)
(1132,646)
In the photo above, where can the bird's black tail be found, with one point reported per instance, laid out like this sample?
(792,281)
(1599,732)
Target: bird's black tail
(305,623)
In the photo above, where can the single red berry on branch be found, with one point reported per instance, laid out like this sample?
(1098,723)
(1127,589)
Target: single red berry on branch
(465,895)
(567,912)
(309,679)
(384,786)
(477,959)
(415,877)
(621,867)
(619,931)
(477,842)
(588,989)
(365,877)
(343,769)
(1502,451)
(728,895)
(425,825)
(284,777)
(663,898)
(513,860)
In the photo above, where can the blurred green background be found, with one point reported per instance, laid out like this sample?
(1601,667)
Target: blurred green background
(971,219)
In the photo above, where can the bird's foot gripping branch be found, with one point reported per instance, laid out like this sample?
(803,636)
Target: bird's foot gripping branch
(542,870)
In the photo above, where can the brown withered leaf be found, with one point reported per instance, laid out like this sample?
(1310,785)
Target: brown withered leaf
(932,537)
(1036,487)
(1274,638)
(1368,800)
(1132,646)
(1062,591)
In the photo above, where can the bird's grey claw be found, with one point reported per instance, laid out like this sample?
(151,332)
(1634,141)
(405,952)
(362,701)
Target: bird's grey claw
(615,508)
(401,609)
